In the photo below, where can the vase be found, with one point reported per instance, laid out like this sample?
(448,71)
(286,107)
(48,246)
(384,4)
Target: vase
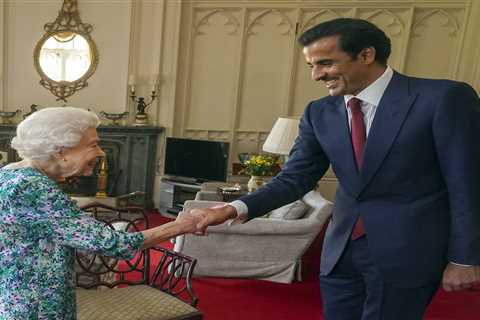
(255,183)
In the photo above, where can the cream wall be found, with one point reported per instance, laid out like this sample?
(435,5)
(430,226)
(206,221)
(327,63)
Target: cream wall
(228,68)
(23,25)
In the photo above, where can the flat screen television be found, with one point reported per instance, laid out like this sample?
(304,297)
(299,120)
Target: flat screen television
(196,160)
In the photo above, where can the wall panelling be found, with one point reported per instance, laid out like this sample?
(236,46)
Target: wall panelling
(2,54)
(244,69)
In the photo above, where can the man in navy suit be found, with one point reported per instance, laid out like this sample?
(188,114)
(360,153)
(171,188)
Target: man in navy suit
(406,214)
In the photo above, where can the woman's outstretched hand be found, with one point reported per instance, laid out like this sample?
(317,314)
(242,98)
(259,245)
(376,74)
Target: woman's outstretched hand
(197,220)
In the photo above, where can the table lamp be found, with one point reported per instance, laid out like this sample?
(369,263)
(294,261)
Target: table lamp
(282,136)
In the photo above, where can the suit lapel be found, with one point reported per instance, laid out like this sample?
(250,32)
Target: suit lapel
(341,139)
(389,117)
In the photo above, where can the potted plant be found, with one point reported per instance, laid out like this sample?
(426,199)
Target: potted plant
(259,167)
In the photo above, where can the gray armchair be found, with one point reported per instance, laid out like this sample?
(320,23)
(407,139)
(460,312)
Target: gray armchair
(263,248)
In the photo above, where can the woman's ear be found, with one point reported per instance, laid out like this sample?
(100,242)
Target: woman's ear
(60,155)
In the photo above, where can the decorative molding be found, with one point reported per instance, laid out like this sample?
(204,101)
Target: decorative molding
(283,22)
(235,120)
(461,44)
(402,20)
(449,22)
(184,98)
(169,64)
(219,135)
(230,20)
(257,138)
(314,4)
(196,134)
(406,37)
(194,30)
(476,81)
(158,33)
(3,55)
(314,20)
(288,106)
(274,29)
(453,33)
(254,136)
(132,54)
(223,135)
(394,22)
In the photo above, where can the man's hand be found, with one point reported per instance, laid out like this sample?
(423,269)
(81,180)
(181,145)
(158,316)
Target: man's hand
(457,277)
(188,222)
(208,217)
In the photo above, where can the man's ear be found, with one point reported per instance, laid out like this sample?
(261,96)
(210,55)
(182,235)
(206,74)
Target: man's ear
(367,55)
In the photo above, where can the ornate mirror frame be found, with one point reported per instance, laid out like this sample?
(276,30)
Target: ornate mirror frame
(68,20)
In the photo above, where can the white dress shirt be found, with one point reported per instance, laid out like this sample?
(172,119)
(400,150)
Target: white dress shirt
(370,97)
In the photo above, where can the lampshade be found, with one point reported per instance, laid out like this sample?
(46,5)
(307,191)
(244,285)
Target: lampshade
(281,138)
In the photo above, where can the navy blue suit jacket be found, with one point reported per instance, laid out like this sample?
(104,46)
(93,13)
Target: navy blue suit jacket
(418,190)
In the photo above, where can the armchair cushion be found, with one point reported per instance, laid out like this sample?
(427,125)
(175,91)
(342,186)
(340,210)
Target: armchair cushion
(291,211)
(139,302)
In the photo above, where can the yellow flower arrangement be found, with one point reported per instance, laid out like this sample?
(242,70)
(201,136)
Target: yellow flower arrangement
(260,165)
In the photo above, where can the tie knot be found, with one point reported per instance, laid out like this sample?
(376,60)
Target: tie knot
(355,104)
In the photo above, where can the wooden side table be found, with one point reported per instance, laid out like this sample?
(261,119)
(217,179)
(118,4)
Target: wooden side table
(229,196)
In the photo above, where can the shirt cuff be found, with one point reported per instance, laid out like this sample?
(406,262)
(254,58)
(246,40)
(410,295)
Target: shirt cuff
(462,265)
(242,212)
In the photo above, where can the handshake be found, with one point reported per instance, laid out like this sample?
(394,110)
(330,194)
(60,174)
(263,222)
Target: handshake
(197,220)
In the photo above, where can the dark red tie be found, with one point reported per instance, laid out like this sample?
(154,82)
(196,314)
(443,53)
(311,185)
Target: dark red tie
(359,136)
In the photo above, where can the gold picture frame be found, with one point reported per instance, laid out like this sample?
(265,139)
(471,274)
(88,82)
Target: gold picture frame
(66,27)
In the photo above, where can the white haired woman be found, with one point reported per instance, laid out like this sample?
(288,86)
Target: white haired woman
(40,226)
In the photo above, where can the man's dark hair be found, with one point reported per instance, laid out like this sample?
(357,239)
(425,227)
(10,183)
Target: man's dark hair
(354,35)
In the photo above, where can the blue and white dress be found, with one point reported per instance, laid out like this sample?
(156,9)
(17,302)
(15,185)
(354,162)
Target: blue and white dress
(40,226)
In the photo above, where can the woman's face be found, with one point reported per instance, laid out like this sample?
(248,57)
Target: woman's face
(81,159)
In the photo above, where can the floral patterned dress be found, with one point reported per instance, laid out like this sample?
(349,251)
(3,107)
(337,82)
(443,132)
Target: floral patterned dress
(39,228)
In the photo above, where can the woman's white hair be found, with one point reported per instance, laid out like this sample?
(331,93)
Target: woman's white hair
(43,133)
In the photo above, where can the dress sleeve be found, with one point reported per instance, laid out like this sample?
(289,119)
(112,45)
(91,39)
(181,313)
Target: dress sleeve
(55,217)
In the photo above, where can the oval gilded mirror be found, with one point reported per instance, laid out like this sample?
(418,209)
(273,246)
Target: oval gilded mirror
(66,56)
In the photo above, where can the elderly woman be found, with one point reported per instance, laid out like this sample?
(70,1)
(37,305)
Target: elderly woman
(40,226)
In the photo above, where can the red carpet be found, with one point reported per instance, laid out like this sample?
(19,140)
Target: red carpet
(234,299)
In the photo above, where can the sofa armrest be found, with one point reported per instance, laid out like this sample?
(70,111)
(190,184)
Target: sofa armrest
(267,226)
(200,204)
(207,196)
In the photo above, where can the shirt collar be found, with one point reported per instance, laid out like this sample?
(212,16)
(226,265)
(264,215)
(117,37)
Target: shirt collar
(374,92)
